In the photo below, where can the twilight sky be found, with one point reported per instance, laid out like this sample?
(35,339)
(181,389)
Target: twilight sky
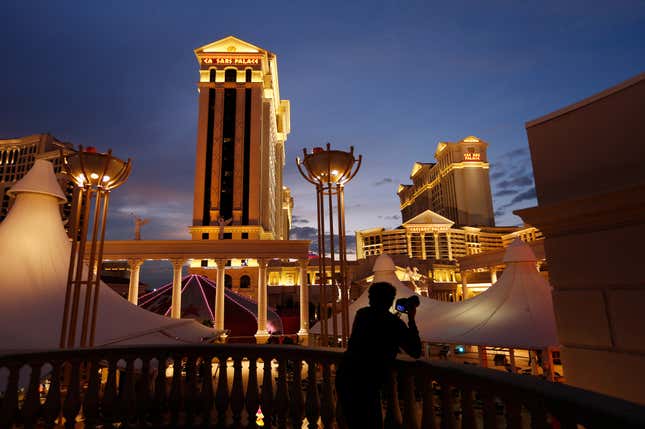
(390,78)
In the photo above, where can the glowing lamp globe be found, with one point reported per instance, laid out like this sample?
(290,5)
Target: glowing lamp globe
(327,166)
(87,167)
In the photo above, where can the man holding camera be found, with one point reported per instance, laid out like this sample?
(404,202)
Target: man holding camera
(377,336)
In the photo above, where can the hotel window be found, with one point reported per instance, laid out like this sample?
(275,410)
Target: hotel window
(245,282)
(228,236)
(230,75)
(245,236)
(205,236)
(204,262)
(228,281)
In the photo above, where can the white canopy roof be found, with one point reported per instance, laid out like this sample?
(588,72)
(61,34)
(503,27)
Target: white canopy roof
(34,258)
(516,312)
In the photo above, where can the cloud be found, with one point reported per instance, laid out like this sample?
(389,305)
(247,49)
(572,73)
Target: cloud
(500,212)
(393,217)
(298,219)
(506,192)
(529,194)
(517,181)
(384,181)
(309,233)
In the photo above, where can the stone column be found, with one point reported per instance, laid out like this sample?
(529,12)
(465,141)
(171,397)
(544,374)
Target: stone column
(464,284)
(262,335)
(423,245)
(408,241)
(175,309)
(133,291)
(303,333)
(437,255)
(493,275)
(449,246)
(218,308)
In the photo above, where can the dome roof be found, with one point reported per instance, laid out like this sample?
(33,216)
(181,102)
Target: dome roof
(39,180)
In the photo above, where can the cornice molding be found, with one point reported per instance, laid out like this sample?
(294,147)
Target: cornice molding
(605,211)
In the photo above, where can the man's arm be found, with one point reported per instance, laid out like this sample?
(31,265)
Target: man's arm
(410,340)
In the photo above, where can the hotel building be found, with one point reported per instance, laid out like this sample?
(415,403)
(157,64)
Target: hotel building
(242,128)
(456,186)
(18,155)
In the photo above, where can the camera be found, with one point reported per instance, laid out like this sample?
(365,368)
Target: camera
(403,305)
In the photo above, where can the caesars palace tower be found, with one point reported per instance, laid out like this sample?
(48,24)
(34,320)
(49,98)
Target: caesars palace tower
(242,128)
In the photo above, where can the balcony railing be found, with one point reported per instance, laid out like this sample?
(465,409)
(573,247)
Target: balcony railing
(225,386)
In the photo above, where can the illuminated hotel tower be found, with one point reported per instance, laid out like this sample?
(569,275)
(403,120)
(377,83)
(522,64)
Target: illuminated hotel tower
(457,186)
(242,128)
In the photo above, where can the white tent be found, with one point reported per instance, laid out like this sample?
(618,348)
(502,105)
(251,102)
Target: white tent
(515,312)
(34,258)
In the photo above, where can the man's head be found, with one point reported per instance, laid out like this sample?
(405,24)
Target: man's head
(381,295)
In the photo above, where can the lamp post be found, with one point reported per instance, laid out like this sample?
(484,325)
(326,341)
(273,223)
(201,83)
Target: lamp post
(95,175)
(329,170)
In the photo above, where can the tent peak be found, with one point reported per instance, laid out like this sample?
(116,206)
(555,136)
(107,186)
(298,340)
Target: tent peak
(383,263)
(40,179)
(519,251)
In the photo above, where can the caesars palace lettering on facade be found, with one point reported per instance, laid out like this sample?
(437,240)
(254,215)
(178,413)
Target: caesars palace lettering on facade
(232,61)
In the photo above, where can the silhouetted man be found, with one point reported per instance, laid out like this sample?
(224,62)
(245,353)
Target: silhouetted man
(377,335)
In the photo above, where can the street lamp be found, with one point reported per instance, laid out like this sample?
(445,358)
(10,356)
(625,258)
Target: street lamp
(95,175)
(329,170)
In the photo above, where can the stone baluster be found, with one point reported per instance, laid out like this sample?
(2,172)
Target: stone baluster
(448,420)
(428,420)
(252,400)
(206,394)
(159,401)
(32,401)
(221,394)
(175,308)
(133,289)
(91,399)
(312,404)
(72,403)
(237,391)
(296,403)
(393,417)
(190,391)
(490,411)
(51,408)
(109,406)
(327,402)
(142,390)
(281,395)
(175,397)
(267,390)
(409,400)
(467,411)
(127,393)
(513,412)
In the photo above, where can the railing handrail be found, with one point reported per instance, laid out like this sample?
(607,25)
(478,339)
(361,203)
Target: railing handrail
(589,408)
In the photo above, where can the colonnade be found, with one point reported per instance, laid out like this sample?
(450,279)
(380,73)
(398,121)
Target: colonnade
(262,335)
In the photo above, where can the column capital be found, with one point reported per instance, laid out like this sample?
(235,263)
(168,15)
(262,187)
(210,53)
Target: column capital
(135,263)
(303,263)
(262,262)
(221,263)
(177,263)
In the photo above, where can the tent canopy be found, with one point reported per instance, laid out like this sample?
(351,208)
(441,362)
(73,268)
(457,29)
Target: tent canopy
(34,259)
(515,312)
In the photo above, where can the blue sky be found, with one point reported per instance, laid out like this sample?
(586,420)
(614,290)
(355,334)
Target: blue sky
(390,78)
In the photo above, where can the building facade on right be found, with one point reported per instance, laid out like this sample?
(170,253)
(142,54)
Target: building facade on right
(590,185)
(456,187)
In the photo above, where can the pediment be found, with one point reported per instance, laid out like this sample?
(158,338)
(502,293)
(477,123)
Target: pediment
(429,217)
(230,44)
